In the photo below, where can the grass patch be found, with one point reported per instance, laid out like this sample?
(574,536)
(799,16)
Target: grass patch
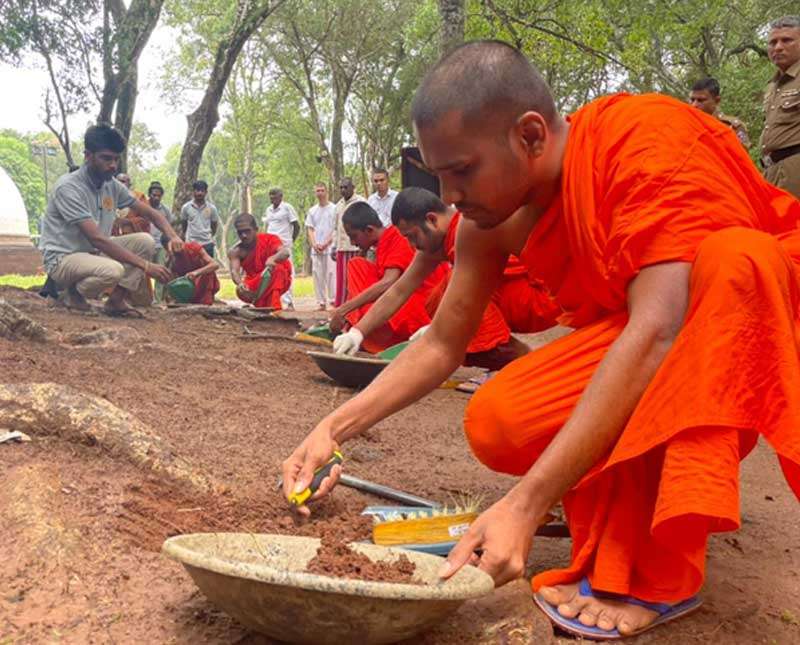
(22,281)
(302,287)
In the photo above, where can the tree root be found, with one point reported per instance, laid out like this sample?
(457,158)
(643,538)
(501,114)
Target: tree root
(58,410)
(15,324)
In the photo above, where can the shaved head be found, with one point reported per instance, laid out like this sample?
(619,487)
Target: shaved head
(480,78)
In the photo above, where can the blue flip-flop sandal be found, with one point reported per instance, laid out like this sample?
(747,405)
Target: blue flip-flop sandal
(666,613)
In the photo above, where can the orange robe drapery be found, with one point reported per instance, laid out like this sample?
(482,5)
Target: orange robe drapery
(647,180)
(139,223)
(517,305)
(253,265)
(190,259)
(392,252)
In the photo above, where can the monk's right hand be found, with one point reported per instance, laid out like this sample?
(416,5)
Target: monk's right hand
(349,342)
(244,293)
(160,273)
(298,470)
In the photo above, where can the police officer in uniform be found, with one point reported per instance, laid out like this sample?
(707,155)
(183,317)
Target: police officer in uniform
(780,140)
(705,95)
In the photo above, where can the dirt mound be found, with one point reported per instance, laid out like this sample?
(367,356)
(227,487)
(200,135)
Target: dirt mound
(336,559)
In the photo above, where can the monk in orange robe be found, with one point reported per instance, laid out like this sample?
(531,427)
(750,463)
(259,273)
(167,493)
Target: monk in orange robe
(517,305)
(138,223)
(254,254)
(196,264)
(367,281)
(677,264)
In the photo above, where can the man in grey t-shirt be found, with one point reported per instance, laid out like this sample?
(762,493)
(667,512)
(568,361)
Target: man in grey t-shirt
(78,252)
(199,218)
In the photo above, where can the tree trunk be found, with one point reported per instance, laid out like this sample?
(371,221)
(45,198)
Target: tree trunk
(237,196)
(246,184)
(337,147)
(205,118)
(123,117)
(122,45)
(223,241)
(451,13)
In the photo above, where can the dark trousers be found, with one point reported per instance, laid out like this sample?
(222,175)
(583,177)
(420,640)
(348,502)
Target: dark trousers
(209,248)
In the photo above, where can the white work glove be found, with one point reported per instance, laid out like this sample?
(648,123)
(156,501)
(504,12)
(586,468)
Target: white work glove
(348,342)
(418,334)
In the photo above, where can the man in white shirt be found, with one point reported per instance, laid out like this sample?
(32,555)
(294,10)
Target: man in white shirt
(281,220)
(345,250)
(382,199)
(321,225)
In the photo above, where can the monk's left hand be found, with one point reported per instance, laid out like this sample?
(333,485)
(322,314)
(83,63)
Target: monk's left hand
(175,245)
(337,321)
(498,542)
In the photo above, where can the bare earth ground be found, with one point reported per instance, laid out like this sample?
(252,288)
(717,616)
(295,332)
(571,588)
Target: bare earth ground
(81,531)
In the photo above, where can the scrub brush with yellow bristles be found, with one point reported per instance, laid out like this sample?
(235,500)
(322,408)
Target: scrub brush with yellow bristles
(419,525)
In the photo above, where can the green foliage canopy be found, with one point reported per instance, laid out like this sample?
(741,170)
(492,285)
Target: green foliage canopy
(17,161)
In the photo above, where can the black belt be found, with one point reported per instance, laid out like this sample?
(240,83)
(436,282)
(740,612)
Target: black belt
(783,153)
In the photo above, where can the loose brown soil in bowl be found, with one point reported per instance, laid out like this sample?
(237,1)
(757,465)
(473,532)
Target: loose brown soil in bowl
(336,559)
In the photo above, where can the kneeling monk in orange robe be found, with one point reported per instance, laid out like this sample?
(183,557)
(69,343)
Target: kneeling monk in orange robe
(518,305)
(367,281)
(193,262)
(254,254)
(679,267)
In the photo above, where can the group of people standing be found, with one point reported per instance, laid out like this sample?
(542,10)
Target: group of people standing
(779,144)
(102,236)
(330,246)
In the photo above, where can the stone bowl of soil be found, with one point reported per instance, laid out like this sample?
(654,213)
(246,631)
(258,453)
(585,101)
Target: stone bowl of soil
(351,371)
(302,590)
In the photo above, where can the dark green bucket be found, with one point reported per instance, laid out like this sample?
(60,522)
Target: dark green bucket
(320,331)
(181,289)
(262,286)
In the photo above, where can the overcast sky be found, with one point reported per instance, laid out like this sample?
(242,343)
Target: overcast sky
(21,108)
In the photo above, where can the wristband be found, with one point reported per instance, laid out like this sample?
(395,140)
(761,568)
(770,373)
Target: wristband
(355,332)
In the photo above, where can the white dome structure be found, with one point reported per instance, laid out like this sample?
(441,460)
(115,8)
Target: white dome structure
(17,252)
(13,216)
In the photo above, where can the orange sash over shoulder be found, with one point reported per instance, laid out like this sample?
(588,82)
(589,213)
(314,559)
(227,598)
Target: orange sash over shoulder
(691,177)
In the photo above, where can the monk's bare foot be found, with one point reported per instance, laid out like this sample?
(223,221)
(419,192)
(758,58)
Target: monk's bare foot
(598,612)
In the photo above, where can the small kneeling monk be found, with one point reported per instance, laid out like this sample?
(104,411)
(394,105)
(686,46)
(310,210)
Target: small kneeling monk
(677,264)
(367,281)
(254,254)
(194,263)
